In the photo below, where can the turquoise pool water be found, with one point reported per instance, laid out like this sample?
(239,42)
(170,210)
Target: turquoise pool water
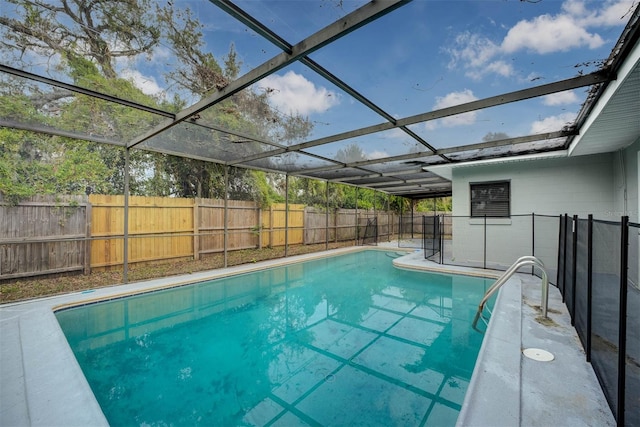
(347,340)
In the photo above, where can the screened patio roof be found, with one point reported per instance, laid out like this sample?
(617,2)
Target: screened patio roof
(398,92)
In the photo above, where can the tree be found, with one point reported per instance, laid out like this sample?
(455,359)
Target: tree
(441,204)
(350,154)
(81,40)
(311,192)
(99,30)
(24,172)
(494,136)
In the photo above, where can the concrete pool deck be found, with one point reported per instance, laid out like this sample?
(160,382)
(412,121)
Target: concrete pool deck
(41,382)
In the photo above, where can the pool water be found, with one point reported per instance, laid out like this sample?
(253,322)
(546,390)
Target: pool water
(346,340)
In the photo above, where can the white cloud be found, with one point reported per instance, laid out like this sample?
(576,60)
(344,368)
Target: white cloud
(455,98)
(547,34)
(613,12)
(472,50)
(501,68)
(575,8)
(573,27)
(293,93)
(147,84)
(560,98)
(449,100)
(377,155)
(552,123)
(395,133)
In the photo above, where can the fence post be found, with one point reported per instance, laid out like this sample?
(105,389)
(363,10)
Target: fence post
(125,244)
(622,326)
(326,217)
(286,216)
(589,283)
(226,215)
(389,221)
(484,251)
(574,261)
(564,254)
(435,233)
(375,214)
(560,242)
(355,243)
(196,229)
(442,231)
(412,218)
(271,226)
(259,228)
(424,237)
(87,242)
(533,238)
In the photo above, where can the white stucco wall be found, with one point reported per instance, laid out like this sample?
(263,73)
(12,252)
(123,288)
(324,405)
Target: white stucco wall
(626,178)
(576,186)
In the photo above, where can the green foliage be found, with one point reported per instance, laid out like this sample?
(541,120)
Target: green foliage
(265,194)
(78,170)
(81,37)
(442,204)
(28,167)
(307,191)
(314,193)
(350,154)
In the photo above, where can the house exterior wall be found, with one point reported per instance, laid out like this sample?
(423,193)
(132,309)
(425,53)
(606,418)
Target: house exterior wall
(626,178)
(576,186)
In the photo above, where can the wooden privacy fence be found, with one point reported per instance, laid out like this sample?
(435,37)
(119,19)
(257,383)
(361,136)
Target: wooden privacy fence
(345,224)
(160,228)
(44,235)
(274,224)
(47,234)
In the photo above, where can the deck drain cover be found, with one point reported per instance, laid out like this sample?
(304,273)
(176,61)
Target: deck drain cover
(538,354)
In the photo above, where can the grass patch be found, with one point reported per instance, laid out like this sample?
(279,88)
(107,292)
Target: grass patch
(42,286)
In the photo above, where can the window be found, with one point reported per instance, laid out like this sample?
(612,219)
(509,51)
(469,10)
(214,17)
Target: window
(491,199)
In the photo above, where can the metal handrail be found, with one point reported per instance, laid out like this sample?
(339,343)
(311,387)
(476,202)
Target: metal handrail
(521,262)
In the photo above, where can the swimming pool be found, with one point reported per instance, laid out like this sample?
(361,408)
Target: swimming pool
(343,340)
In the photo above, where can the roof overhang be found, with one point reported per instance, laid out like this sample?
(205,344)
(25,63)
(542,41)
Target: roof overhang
(614,121)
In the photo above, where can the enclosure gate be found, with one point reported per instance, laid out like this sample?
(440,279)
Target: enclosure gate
(432,237)
(370,236)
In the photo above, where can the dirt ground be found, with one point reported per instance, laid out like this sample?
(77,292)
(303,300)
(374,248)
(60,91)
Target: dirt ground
(41,286)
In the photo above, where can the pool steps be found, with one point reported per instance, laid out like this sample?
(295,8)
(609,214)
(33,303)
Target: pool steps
(520,262)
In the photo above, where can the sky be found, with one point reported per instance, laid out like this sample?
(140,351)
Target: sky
(424,56)
(429,55)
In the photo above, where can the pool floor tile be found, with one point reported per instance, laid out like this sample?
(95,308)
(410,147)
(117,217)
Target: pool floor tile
(402,362)
(455,389)
(442,415)
(291,358)
(352,397)
(419,331)
(338,339)
(262,413)
(379,320)
(312,373)
(392,303)
(289,420)
(432,313)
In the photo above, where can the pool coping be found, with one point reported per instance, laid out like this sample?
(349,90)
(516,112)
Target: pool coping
(509,389)
(34,346)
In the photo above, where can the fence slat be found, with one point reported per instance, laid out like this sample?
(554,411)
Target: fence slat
(42,235)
